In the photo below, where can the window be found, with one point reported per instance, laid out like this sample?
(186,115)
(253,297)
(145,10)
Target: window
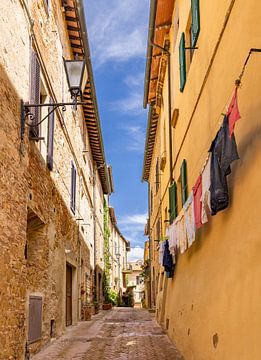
(173,201)
(158,228)
(35,84)
(157,175)
(151,201)
(47,5)
(73,188)
(182,62)
(195,23)
(183,177)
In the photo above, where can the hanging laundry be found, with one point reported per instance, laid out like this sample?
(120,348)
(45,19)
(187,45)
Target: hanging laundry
(233,113)
(224,152)
(181,232)
(197,193)
(161,252)
(205,198)
(190,219)
(167,260)
(173,238)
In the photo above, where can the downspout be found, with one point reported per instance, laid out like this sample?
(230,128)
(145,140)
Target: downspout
(170,130)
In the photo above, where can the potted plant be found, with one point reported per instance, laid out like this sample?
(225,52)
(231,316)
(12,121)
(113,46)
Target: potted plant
(96,306)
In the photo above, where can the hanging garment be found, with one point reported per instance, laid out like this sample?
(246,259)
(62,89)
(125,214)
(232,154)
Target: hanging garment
(161,252)
(197,193)
(233,113)
(173,239)
(224,152)
(205,198)
(190,219)
(181,232)
(167,258)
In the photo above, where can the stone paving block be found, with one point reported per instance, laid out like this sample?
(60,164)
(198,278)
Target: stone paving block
(121,334)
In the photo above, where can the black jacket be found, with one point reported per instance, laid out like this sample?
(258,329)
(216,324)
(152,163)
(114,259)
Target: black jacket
(224,152)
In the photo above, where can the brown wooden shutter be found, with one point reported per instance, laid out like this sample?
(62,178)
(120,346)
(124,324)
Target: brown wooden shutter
(73,188)
(35,93)
(35,318)
(157,175)
(50,138)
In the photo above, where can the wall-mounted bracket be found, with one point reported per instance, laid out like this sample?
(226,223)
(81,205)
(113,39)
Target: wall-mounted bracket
(27,117)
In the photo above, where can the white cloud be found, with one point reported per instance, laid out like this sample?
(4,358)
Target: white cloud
(117,29)
(136,219)
(132,226)
(136,253)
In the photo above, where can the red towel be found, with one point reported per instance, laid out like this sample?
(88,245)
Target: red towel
(197,193)
(233,113)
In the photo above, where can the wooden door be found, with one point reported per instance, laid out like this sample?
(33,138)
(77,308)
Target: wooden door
(68,295)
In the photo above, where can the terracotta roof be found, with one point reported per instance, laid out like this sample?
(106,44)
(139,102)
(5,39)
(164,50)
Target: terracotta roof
(74,17)
(160,22)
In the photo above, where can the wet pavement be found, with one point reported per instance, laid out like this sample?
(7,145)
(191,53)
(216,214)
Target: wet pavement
(119,334)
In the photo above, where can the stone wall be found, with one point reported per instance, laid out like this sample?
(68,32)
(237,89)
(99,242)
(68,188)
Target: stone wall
(39,234)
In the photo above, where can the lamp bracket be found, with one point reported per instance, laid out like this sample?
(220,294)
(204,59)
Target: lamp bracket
(26,113)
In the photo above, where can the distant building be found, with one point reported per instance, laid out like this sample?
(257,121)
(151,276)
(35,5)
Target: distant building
(118,252)
(136,280)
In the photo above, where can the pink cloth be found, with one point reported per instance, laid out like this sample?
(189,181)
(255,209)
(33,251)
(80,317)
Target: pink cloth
(197,193)
(233,113)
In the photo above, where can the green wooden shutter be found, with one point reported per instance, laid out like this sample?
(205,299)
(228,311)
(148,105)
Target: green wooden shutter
(184,186)
(195,26)
(182,62)
(173,202)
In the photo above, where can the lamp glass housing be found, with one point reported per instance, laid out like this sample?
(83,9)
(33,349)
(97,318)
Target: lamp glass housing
(76,73)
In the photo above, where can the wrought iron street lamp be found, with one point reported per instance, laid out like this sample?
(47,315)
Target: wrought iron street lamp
(76,73)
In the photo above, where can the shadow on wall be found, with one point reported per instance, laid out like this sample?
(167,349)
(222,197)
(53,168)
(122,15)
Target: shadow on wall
(13,224)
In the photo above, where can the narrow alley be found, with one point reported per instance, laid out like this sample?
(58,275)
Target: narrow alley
(120,334)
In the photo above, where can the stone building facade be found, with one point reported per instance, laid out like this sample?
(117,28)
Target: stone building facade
(196,51)
(118,248)
(52,188)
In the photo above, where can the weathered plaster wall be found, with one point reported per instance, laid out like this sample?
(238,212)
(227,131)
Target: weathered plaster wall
(213,302)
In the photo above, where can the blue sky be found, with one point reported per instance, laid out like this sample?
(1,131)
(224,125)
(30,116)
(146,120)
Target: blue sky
(117,32)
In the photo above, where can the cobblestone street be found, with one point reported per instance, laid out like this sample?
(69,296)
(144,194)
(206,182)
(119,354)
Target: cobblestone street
(121,334)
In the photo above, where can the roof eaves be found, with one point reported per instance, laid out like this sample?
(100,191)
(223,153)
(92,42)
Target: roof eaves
(153,11)
(103,173)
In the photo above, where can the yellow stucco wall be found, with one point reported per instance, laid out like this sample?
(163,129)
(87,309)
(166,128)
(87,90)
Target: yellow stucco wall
(216,288)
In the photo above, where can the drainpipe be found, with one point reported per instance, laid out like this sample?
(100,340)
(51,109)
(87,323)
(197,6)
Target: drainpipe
(170,130)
